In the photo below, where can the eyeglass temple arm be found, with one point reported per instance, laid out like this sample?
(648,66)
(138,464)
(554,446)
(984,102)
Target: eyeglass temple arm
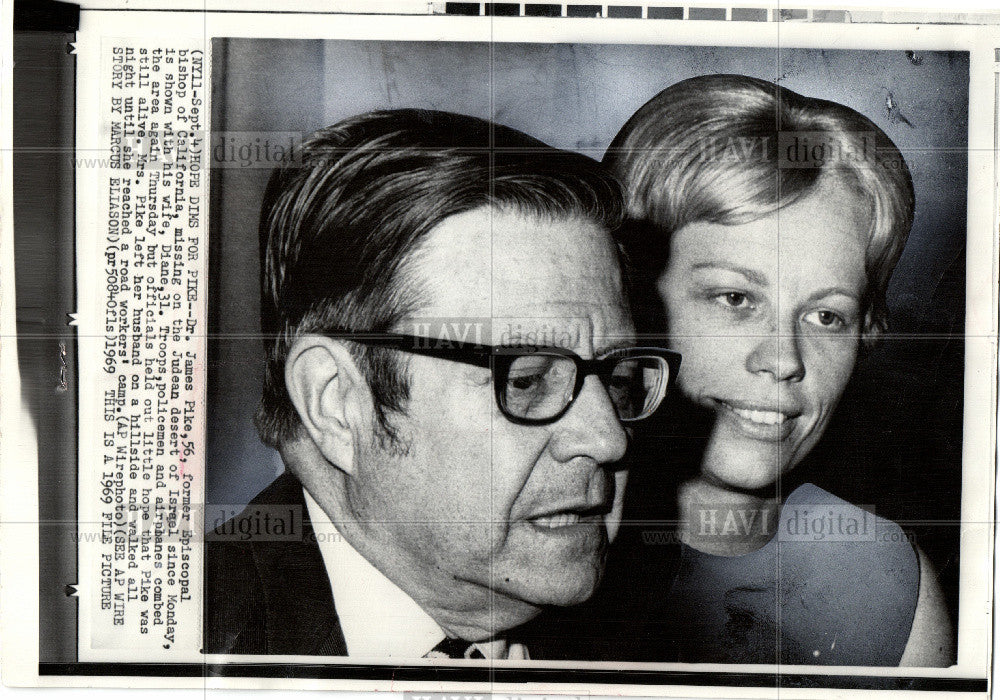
(459,351)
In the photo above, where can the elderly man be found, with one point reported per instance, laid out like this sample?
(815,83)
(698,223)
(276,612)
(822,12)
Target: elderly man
(450,370)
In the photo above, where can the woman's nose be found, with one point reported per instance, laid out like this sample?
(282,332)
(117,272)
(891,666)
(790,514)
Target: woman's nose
(777,353)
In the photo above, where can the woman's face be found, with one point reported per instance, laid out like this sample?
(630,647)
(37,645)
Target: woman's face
(767,316)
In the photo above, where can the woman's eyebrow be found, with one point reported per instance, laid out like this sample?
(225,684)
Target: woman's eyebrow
(834,291)
(751,275)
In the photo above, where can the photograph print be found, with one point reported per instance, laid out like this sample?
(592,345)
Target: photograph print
(585,352)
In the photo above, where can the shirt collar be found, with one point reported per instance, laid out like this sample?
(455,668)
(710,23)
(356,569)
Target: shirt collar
(377,617)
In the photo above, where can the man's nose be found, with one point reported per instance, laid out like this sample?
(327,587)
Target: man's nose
(590,428)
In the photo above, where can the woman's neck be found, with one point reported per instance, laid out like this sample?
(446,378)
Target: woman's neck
(716,520)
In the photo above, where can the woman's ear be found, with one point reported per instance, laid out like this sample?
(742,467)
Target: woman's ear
(873,328)
(327,391)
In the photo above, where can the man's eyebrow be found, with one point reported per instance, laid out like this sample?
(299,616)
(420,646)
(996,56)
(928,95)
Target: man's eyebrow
(751,275)
(618,344)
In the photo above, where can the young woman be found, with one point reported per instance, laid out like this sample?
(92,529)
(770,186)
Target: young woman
(768,224)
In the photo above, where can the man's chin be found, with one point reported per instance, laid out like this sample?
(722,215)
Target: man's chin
(544,569)
(560,587)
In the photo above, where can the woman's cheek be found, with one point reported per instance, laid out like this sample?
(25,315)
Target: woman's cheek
(834,360)
(710,373)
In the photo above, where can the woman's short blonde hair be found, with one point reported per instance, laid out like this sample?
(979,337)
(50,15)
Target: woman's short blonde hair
(731,149)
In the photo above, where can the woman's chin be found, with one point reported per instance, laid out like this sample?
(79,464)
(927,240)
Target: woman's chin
(737,467)
(740,479)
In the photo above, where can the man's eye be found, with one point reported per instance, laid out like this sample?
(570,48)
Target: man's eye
(526,381)
(531,372)
(825,318)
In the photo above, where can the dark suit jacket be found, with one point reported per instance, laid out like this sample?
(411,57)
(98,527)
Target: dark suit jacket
(270,597)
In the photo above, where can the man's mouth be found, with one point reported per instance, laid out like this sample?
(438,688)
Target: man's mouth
(554,521)
(568,518)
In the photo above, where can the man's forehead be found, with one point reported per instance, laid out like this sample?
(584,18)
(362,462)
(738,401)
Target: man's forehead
(507,264)
(584,335)
(581,334)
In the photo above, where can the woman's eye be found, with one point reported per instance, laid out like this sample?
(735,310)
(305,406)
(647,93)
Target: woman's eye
(735,300)
(825,319)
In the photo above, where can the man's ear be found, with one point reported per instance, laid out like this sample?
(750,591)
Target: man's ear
(329,394)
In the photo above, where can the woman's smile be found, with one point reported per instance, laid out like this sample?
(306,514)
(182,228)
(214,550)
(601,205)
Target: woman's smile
(756,423)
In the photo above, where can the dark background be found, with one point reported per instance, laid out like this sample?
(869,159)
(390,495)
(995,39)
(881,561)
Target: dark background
(44,85)
(895,443)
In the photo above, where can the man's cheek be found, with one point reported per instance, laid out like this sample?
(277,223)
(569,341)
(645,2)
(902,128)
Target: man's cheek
(469,550)
(613,520)
(514,455)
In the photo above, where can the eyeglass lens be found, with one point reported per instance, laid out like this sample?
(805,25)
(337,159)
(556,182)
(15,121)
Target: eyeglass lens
(540,385)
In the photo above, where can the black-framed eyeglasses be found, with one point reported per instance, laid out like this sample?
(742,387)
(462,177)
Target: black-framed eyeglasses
(535,385)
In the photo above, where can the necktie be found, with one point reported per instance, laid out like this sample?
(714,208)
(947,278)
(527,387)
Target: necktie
(450,648)
(517,652)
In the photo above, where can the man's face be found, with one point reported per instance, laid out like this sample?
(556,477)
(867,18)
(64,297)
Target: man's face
(481,509)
